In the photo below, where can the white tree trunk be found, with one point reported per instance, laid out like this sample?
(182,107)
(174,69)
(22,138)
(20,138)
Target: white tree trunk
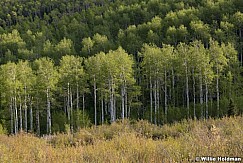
(187,93)
(112,100)
(114,104)
(166,105)
(95,100)
(126,103)
(206,98)
(31,116)
(77,96)
(155,102)
(68,103)
(20,115)
(102,111)
(201,93)
(217,90)
(37,118)
(71,110)
(106,107)
(38,122)
(158,100)
(25,111)
(194,94)
(173,87)
(16,116)
(129,111)
(48,111)
(123,101)
(11,116)
(151,99)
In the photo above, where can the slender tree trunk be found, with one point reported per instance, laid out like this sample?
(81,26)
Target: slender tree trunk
(77,91)
(111,101)
(158,99)
(155,102)
(68,104)
(11,115)
(25,119)
(123,101)
(166,106)
(173,87)
(48,111)
(106,107)
(201,93)
(194,94)
(31,116)
(126,103)
(183,98)
(20,114)
(83,106)
(37,118)
(129,111)
(16,115)
(25,111)
(206,98)
(14,118)
(217,90)
(95,109)
(169,91)
(38,122)
(151,99)
(71,110)
(102,111)
(187,93)
(241,55)
(114,104)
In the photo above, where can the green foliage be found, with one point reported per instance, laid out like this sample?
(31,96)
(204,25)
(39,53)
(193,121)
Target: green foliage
(59,120)
(232,109)
(2,130)
(87,46)
(81,119)
(188,56)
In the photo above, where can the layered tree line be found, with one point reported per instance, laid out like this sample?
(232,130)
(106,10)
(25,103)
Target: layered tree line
(69,64)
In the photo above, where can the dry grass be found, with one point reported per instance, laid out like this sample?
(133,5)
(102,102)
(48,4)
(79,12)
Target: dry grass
(130,142)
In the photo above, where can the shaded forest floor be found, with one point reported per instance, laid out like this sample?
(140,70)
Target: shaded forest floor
(130,141)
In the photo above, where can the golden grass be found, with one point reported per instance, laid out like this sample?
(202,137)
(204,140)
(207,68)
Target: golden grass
(130,142)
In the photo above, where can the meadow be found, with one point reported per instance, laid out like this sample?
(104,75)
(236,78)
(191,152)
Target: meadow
(130,141)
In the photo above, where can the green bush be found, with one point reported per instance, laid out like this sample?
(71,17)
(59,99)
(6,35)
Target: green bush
(232,109)
(81,119)
(2,130)
(59,119)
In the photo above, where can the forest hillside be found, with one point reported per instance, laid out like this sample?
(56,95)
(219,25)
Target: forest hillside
(93,62)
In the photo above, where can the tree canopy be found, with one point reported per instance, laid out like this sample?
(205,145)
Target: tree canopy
(100,61)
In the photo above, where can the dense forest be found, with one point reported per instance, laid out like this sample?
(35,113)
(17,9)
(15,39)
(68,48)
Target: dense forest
(71,64)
